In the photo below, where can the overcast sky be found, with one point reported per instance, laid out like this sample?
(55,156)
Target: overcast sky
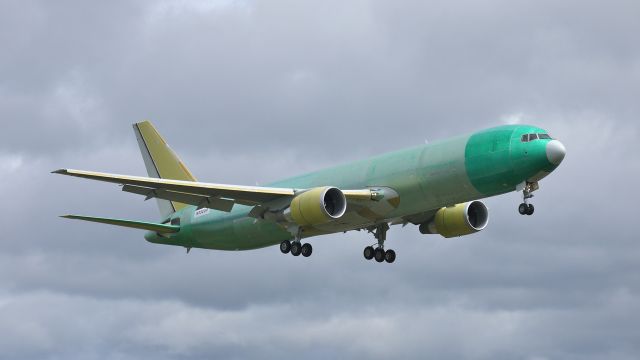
(253,91)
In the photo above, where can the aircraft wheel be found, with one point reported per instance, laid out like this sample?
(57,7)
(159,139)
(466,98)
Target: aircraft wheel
(379,255)
(369,252)
(390,256)
(307,250)
(285,246)
(296,248)
(523,209)
(530,209)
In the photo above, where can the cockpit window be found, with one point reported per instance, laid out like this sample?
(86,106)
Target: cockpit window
(531,137)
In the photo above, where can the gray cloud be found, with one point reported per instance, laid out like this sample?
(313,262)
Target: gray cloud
(252,92)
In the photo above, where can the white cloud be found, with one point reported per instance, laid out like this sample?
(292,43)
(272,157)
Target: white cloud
(257,91)
(165,9)
(515,118)
(9,163)
(28,324)
(71,101)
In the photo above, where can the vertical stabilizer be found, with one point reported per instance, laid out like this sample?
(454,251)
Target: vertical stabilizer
(161,162)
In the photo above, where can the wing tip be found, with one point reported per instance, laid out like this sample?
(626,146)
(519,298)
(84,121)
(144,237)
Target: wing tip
(60,171)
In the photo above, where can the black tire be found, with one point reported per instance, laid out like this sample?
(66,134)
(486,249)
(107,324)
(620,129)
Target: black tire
(369,252)
(530,209)
(523,209)
(389,256)
(296,248)
(307,250)
(285,246)
(379,255)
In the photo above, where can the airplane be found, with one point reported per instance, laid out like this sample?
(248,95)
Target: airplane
(435,186)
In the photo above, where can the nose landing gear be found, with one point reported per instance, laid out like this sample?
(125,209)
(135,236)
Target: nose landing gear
(525,208)
(379,254)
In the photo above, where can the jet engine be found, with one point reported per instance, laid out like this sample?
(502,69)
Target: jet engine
(458,220)
(317,206)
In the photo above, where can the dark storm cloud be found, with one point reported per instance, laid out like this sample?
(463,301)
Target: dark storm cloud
(251,92)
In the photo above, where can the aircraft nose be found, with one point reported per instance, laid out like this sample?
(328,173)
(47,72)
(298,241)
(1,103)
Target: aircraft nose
(555,152)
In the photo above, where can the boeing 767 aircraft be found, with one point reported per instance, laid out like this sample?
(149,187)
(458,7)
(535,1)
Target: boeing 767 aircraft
(436,186)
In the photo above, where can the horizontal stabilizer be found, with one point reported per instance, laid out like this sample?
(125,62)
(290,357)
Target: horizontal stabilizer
(159,228)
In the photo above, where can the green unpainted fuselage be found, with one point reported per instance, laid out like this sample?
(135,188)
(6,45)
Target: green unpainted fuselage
(426,178)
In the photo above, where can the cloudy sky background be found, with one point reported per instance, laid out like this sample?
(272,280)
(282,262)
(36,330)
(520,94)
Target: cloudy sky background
(252,91)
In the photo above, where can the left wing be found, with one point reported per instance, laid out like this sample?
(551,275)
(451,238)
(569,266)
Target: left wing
(205,195)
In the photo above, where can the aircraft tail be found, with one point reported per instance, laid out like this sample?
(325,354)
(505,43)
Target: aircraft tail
(161,162)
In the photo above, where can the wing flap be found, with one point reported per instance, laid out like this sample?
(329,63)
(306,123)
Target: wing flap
(159,228)
(196,200)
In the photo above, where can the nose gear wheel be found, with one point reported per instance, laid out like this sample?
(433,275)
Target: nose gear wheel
(525,208)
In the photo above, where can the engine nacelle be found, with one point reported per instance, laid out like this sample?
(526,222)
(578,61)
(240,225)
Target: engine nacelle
(458,220)
(317,206)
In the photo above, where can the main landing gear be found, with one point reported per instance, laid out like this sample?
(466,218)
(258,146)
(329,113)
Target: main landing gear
(525,208)
(295,247)
(380,233)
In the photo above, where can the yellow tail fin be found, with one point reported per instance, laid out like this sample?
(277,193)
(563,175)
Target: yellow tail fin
(161,162)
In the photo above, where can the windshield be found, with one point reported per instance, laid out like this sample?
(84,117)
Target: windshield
(532,137)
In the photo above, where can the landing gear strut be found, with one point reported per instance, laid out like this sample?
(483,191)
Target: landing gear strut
(295,247)
(378,253)
(525,208)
